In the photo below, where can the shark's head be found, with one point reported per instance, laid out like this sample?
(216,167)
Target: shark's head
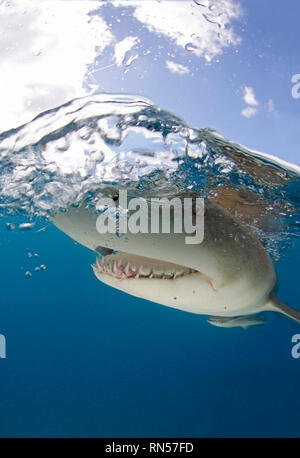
(215,276)
(218,321)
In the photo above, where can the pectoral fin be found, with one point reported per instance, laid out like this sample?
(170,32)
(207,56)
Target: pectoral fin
(275,305)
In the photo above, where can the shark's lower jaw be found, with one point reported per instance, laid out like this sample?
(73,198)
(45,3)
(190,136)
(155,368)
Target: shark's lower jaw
(126,266)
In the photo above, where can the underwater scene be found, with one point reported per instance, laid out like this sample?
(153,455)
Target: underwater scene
(116,321)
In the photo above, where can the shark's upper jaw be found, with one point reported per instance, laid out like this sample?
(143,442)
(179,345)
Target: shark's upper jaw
(127,266)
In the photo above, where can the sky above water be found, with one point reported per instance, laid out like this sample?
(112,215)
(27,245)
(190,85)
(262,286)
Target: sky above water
(224,64)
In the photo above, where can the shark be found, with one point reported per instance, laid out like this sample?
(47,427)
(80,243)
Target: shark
(229,274)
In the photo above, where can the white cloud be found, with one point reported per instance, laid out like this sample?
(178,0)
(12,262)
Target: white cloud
(249,112)
(176,68)
(251,101)
(45,48)
(249,96)
(198,29)
(122,47)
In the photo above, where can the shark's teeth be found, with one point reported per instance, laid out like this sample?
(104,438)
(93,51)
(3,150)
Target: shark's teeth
(127,269)
(138,268)
(145,271)
(158,272)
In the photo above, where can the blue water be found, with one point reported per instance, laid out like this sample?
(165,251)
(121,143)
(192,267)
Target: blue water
(86,360)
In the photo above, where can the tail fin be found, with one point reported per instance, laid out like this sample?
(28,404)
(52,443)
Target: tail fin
(275,305)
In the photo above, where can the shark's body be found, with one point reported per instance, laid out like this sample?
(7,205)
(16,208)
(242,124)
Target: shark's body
(229,274)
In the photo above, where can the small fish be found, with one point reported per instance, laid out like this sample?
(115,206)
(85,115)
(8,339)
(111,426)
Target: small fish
(26,226)
(244,322)
(42,229)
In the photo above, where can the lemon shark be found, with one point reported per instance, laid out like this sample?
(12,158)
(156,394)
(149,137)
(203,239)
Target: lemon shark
(229,274)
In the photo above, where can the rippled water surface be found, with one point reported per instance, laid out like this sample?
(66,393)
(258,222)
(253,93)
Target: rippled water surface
(104,142)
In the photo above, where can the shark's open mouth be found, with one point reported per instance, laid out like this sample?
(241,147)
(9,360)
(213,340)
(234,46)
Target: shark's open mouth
(125,266)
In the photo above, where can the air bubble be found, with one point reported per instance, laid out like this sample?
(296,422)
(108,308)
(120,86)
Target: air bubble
(190,47)
(37,52)
(10,226)
(129,58)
